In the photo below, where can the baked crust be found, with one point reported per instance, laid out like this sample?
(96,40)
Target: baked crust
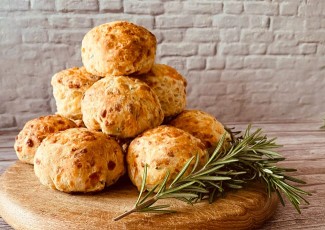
(169,86)
(68,88)
(33,133)
(79,160)
(121,106)
(163,149)
(118,48)
(201,125)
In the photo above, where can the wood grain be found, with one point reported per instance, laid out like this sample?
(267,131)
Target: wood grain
(43,208)
(304,148)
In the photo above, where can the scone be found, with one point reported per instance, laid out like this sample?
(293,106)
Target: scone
(203,126)
(68,88)
(169,86)
(118,48)
(163,149)
(78,160)
(33,133)
(121,106)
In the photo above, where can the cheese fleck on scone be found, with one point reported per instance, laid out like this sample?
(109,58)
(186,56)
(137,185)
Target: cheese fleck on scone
(162,149)
(79,160)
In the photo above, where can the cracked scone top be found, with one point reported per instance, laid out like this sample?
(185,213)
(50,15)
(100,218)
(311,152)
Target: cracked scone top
(68,88)
(163,149)
(121,106)
(33,133)
(169,86)
(79,160)
(118,48)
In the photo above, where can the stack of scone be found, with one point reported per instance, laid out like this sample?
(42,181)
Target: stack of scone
(119,97)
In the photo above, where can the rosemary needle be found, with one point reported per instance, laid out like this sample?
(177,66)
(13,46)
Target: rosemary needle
(251,157)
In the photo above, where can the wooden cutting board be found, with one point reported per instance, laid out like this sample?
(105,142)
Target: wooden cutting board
(26,204)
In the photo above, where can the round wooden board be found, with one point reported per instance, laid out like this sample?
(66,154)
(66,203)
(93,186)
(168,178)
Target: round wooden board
(26,204)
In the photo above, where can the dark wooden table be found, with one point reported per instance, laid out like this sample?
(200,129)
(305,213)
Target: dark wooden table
(304,148)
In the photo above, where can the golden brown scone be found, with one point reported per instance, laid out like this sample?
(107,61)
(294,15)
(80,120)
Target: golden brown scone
(169,86)
(118,48)
(163,149)
(68,88)
(201,125)
(121,106)
(33,133)
(79,160)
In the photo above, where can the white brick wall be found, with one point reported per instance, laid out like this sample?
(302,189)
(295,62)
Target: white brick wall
(250,60)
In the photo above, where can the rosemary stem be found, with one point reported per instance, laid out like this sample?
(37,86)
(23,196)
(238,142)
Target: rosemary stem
(137,208)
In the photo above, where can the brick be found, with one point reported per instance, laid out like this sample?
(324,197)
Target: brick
(39,105)
(173,7)
(308,48)
(288,8)
(263,8)
(202,21)
(207,49)
(313,23)
(13,5)
(257,48)
(10,36)
(233,7)
(32,21)
(7,95)
(260,62)
(321,49)
(261,98)
(177,49)
(234,49)
(42,5)
(42,91)
(76,5)
(284,36)
(256,36)
(145,21)
(7,121)
(229,35)
(172,35)
(230,21)
(288,23)
(212,88)
(110,6)
(306,63)
(62,36)
(195,63)
(178,63)
(143,7)
(310,10)
(35,36)
(235,63)
(256,22)
(202,35)
(105,18)
(286,62)
(174,21)
(202,7)
(215,63)
(283,48)
(308,36)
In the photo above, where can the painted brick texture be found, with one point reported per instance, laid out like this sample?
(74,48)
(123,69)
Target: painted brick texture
(249,60)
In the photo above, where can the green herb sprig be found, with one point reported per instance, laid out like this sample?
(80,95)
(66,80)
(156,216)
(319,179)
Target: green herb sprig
(251,157)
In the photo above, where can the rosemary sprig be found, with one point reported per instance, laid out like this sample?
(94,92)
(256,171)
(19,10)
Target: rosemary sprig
(251,157)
